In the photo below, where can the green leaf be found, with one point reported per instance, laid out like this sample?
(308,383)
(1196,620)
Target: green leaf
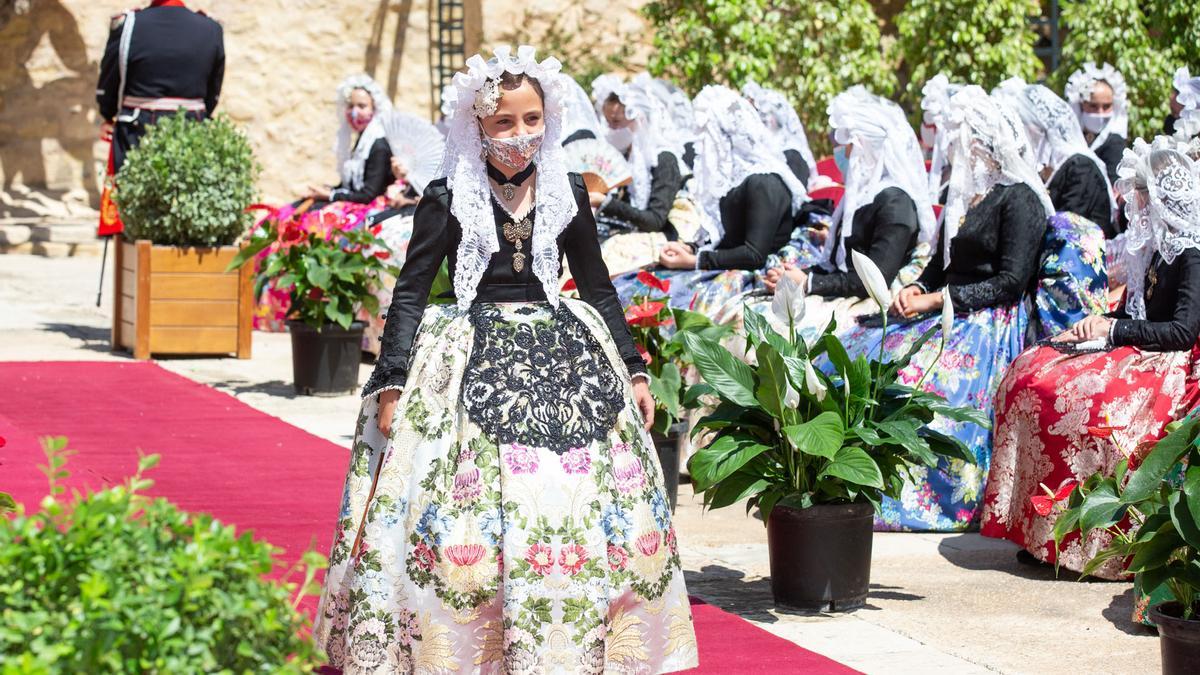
(7,503)
(822,436)
(734,489)
(1183,520)
(1100,507)
(1156,550)
(1066,523)
(1160,460)
(732,379)
(691,397)
(665,389)
(724,456)
(854,465)
(772,380)
(318,276)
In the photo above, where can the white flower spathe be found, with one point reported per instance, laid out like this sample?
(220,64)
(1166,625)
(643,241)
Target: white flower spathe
(872,278)
(788,304)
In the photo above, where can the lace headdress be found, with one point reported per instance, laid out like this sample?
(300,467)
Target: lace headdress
(1079,89)
(986,147)
(733,143)
(1054,131)
(653,129)
(578,114)
(1187,92)
(351,160)
(885,153)
(1161,187)
(477,94)
(781,120)
(935,102)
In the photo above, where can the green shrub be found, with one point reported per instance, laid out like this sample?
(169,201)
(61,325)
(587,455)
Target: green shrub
(973,42)
(1176,30)
(809,50)
(116,582)
(1115,31)
(188,183)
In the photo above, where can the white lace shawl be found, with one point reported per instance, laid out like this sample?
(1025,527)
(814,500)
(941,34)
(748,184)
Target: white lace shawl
(1161,187)
(1187,92)
(578,114)
(885,154)
(935,102)
(986,147)
(780,117)
(351,160)
(471,199)
(733,143)
(1079,89)
(653,132)
(1054,131)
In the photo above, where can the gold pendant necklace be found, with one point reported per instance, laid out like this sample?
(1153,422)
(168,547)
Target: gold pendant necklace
(508,191)
(516,232)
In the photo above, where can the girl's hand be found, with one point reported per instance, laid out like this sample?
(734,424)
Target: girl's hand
(387,410)
(645,401)
(903,299)
(924,302)
(677,256)
(1090,328)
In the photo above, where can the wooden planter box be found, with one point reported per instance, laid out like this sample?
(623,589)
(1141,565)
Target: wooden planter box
(175,300)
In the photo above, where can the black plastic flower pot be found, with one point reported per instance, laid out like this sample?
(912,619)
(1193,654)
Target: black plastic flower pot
(1178,639)
(667,446)
(820,556)
(325,362)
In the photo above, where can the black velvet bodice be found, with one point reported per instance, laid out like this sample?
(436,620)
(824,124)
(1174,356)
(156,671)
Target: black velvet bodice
(995,253)
(1079,187)
(757,217)
(885,231)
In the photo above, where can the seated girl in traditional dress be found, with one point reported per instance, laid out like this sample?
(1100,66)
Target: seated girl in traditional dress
(993,223)
(784,124)
(1062,414)
(1075,177)
(1098,97)
(748,198)
(504,507)
(885,212)
(935,103)
(634,220)
(364,164)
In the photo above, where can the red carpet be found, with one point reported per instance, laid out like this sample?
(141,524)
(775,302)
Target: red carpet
(247,468)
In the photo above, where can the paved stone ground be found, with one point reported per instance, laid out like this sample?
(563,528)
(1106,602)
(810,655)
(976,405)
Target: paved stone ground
(954,603)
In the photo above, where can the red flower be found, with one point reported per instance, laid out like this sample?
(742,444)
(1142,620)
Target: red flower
(648,279)
(315,294)
(423,556)
(569,285)
(376,229)
(617,558)
(645,314)
(1099,431)
(3,442)
(541,558)
(1044,504)
(292,233)
(383,255)
(571,558)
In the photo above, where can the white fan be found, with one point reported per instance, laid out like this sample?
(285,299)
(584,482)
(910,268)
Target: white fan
(417,144)
(603,166)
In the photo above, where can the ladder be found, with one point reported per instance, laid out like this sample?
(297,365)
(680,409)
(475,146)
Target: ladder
(447,44)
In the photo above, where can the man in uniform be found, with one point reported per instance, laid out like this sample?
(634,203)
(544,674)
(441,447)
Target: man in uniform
(157,60)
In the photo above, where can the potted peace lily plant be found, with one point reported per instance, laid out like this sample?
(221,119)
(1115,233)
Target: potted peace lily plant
(815,452)
(657,331)
(1152,514)
(331,275)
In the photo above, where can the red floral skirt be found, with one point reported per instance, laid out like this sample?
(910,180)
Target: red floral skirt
(1044,408)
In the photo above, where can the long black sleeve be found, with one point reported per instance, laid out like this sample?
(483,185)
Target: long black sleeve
(1181,331)
(216,76)
(377,175)
(430,244)
(582,248)
(110,76)
(764,203)
(1022,227)
(665,182)
(1110,153)
(892,226)
(796,163)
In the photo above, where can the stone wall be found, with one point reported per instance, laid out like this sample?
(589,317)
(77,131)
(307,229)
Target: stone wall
(284,59)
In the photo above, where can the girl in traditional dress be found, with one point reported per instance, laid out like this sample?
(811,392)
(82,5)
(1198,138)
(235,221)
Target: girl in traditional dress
(1062,416)
(1183,119)
(634,220)
(1098,97)
(748,198)
(364,162)
(579,117)
(504,509)
(1075,177)
(885,212)
(784,124)
(935,103)
(995,215)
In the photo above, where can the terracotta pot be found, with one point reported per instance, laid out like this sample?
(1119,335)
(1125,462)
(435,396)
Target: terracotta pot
(821,556)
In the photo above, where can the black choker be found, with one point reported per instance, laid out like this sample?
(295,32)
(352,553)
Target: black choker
(508,185)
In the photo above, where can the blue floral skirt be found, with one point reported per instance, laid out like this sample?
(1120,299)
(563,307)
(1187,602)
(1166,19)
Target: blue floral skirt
(514,520)
(1072,283)
(947,498)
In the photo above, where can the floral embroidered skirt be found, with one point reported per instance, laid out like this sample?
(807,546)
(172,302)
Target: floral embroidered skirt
(515,521)
(947,498)
(1072,283)
(1044,407)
